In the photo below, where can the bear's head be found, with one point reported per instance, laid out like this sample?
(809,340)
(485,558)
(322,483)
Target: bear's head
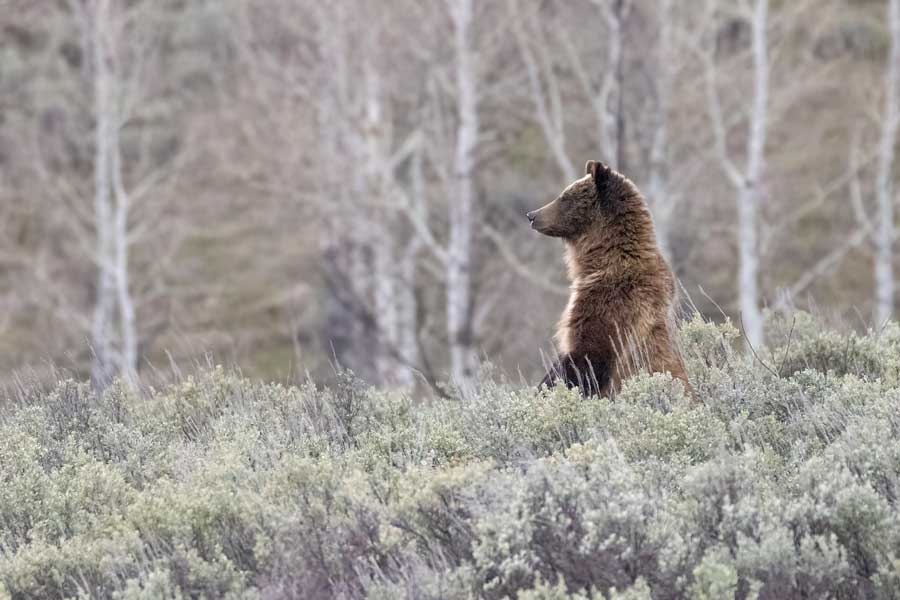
(599,199)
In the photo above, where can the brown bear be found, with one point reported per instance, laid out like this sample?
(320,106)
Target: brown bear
(619,316)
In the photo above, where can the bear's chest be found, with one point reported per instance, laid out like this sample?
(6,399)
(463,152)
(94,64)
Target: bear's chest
(563,330)
(593,310)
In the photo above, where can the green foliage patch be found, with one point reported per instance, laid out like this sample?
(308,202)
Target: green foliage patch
(780,481)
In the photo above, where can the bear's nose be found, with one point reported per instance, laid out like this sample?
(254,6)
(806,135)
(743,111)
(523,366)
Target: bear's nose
(531,216)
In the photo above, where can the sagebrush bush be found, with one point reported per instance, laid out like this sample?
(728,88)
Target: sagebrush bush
(779,479)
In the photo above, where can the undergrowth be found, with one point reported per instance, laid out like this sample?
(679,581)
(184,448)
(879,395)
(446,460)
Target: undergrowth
(780,481)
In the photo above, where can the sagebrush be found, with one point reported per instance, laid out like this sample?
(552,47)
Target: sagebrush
(781,482)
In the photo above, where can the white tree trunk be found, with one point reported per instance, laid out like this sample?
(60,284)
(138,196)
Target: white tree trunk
(114,335)
(884,233)
(128,355)
(383,272)
(608,109)
(103,327)
(659,195)
(746,182)
(749,195)
(461,203)
(394,263)
(748,275)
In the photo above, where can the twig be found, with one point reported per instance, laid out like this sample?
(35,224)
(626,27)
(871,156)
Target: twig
(520,269)
(753,350)
(714,303)
(787,348)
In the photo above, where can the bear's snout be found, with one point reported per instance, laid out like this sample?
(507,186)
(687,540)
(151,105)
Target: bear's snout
(541,220)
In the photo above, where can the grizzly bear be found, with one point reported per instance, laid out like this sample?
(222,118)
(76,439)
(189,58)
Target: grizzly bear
(619,317)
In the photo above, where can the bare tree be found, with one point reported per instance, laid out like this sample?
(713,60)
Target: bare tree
(886,232)
(547,49)
(394,271)
(96,29)
(604,95)
(747,181)
(660,194)
(359,171)
(880,229)
(462,198)
(543,83)
(362,150)
(114,335)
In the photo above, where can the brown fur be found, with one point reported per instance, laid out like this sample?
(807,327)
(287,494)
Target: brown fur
(618,319)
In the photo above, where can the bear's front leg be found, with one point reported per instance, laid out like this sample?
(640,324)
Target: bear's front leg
(590,374)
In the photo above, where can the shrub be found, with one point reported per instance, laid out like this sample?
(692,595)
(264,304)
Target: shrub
(779,479)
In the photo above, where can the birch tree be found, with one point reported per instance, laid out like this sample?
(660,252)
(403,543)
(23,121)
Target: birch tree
(462,198)
(746,180)
(878,226)
(386,283)
(544,85)
(545,53)
(92,185)
(130,180)
(547,48)
(394,272)
(113,331)
(359,171)
(885,193)
(660,194)
(370,257)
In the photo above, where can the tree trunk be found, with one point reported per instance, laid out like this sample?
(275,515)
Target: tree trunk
(103,328)
(610,110)
(384,274)
(748,272)
(461,204)
(408,321)
(749,195)
(128,359)
(407,318)
(659,196)
(658,190)
(884,233)
(114,340)
(377,182)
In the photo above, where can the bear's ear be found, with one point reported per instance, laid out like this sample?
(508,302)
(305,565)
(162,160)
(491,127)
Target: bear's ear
(597,170)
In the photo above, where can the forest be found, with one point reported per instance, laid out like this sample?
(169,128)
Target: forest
(294,186)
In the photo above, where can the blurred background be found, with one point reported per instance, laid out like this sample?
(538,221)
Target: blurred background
(286,185)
